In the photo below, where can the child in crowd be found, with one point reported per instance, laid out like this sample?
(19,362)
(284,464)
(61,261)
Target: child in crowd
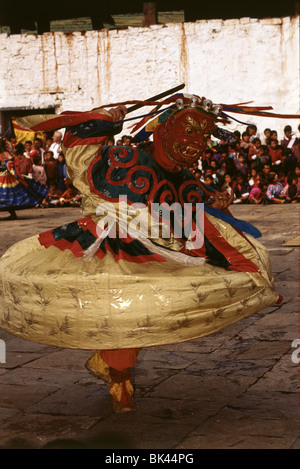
(27,148)
(51,168)
(258,160)
(241,189)
(227,186)
(266,170)
(38,171)
(233,151)
(110,141)
(76,201)
(23,163)
(48,143)
(208,180)
(214,165)
(206,159)
(61,173)
(266,138)
(52,196)
(282,178)
(291,190)
(275,152)
(273,135)
(254,179)
(275,192)
(68,196)
(245,142)
(289,161)
(253,149)
(252,131)
(258,194)
(198,174)
(241,165)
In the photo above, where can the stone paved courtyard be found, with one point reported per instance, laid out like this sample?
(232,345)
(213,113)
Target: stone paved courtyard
(236,389)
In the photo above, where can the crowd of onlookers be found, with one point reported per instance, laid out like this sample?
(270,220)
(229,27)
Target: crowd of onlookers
(259,169)
(43,160)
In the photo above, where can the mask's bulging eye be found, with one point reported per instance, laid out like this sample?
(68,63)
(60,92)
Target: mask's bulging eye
(189,130)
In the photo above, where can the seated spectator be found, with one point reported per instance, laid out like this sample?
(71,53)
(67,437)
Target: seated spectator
(34,154)
(233,151)
(198,174)
(275,192)
(48,144)
(44,136)
(228,182)
(266,171)
(254,179)
(241,189)
(275,153)
(214,165)
(230,166)
(208,172)
(206,159)
(245,142)
(289,161)
(257,161)
(23,163)
(282,178)
(195,166)
(110,141)
(252,131)
(68,196)
(253,150)
(289,140)
(258,194)
(51,169)
(61,173)
(127,141)
(266,138)
(292,192)
(27,148)
(273,135)
(208,180)
(38,171)
(52,197)
(237,135)
(76,202)
(221,154)
(241,165)
(219,180)
(38,147)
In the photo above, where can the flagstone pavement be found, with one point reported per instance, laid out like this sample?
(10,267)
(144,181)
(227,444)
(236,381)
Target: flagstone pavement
(236,389)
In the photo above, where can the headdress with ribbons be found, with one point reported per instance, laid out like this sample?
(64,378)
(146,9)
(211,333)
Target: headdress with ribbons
(99,124)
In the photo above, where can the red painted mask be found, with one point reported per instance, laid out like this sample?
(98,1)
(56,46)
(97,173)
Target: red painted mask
(181,139)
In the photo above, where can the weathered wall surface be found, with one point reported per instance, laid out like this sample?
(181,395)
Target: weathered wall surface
(227,61)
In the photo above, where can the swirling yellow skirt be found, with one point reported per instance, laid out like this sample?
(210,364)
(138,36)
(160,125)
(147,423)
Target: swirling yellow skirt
(52,297)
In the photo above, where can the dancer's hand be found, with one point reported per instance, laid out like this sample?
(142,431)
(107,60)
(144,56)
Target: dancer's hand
(118,113)
(222,200)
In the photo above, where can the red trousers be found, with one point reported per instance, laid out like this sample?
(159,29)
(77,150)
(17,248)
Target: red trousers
(120,359)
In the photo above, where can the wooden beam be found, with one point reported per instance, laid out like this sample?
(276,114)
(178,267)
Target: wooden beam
(149,13)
